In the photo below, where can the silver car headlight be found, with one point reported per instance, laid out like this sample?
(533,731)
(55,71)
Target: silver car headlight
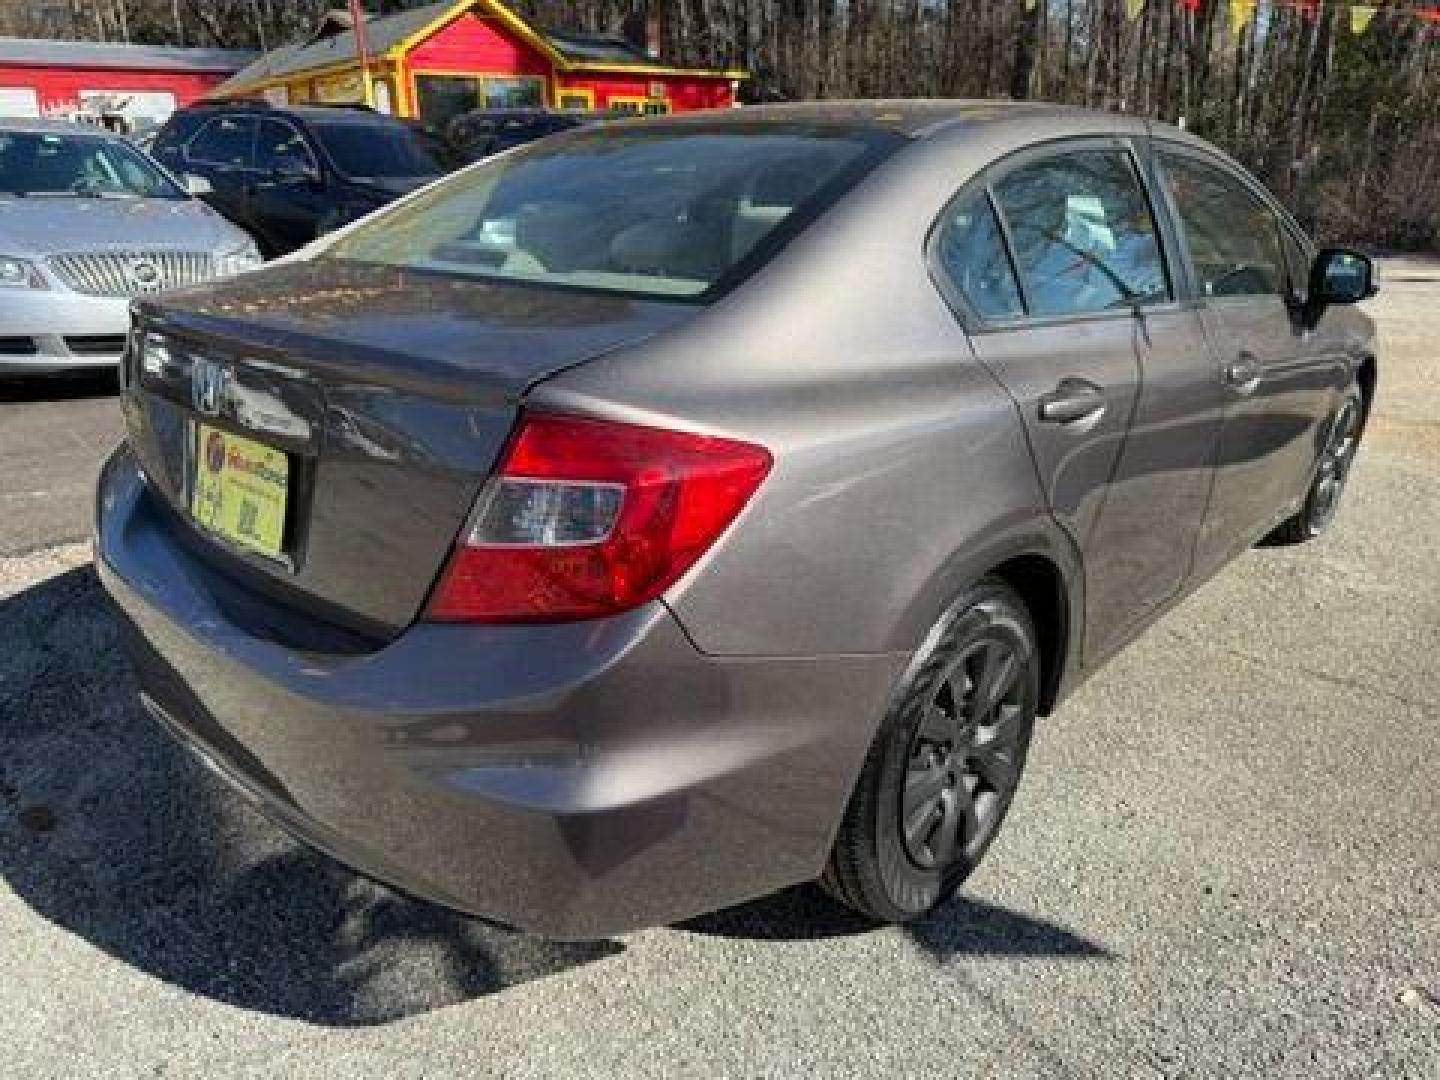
(246,257)
(19,274)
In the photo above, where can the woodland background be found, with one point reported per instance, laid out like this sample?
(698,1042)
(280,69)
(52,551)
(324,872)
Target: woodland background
(1345,126)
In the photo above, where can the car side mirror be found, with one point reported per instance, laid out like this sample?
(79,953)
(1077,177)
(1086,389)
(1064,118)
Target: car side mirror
(197,185)
(1340,276)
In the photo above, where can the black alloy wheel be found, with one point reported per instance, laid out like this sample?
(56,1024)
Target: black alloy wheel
(963,761)
(1332,469)
(945,764)
(1335,463)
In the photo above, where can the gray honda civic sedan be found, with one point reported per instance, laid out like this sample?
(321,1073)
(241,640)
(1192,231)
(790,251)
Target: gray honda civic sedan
(674,510)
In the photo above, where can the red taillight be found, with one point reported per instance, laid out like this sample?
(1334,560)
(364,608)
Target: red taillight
(588,517)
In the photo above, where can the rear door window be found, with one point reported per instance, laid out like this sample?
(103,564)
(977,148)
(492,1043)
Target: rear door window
(225,140)
(282,149)
(172,137)
(1234,238)
(971,254)
(1083,237)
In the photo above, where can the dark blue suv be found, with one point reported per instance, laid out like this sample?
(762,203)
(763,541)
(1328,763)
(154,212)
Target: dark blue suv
(287,175)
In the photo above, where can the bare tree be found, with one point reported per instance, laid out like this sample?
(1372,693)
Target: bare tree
(1346,126)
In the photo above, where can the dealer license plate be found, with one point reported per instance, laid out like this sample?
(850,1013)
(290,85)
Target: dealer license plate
(239,490)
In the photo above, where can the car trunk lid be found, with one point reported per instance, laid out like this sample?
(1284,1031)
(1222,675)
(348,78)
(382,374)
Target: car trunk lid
(390,392)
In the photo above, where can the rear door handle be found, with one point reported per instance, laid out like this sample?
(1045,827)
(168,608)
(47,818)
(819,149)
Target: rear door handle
(1071,401)
(1243,373)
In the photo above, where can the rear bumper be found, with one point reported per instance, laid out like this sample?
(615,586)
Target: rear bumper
(577,780)
(62,329)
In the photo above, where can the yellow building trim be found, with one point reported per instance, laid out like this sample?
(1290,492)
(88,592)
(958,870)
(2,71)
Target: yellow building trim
(525,32)
(651,69)
(402,47)
(585,92)
(404,91)
(498,11)
(611,100)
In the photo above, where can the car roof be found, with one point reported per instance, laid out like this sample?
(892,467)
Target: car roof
(57,127)
(327,114)
(913,117)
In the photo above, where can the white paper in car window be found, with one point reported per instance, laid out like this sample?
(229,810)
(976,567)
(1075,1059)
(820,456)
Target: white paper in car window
(1085,225)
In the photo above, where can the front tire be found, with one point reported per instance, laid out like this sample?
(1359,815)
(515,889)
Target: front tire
(1322,501)
(944,766)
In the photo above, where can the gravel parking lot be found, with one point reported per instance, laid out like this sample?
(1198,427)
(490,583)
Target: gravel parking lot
(1224,860)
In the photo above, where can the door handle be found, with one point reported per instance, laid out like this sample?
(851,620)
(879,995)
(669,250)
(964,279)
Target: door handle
(1071,401)
(1243,373)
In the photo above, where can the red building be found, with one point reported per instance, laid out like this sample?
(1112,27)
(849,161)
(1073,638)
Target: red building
(438,61)
(124,85)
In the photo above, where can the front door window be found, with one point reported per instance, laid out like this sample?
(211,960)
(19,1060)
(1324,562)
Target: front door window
(1234,237)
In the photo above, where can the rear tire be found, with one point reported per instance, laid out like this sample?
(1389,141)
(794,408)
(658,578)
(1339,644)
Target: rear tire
(1322,501)
(943,769)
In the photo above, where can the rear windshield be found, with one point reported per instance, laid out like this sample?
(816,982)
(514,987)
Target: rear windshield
(667,210)
(384,151)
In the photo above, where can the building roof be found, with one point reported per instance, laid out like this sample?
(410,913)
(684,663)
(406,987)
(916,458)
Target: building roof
(596,47)
(40,52)
(381,35)
(384,34)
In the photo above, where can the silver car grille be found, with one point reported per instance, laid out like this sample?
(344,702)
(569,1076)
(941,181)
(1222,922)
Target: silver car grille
(132,273)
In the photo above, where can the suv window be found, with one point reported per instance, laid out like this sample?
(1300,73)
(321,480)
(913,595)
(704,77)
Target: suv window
(225,140)
(364,149)
(971,253)
(173,135)
(1234,237)
(1084,239)
(282,149)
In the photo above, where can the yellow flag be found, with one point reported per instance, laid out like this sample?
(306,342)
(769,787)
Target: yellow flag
(1360,16)
(1133,9)
(1240,14)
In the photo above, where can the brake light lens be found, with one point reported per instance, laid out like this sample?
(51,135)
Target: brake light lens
(586,518)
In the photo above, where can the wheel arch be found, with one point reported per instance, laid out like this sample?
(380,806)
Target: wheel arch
(1366,374)
(1038,582)
(1036,560)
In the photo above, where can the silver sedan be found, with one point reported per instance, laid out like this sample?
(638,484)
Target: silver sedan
(86,223)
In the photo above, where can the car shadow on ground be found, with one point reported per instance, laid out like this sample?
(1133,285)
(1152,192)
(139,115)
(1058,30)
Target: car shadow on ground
(112,831)
(963,927)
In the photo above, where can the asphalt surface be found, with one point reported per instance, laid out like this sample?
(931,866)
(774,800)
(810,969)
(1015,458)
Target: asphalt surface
(1224,860)
(54,433)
